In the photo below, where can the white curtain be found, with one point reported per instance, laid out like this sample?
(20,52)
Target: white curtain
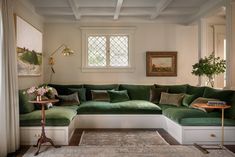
(9,108)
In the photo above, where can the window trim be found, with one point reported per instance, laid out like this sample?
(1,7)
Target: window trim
(107,31)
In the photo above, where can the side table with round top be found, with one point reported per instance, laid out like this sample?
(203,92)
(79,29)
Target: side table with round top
(43,139)
(222,108)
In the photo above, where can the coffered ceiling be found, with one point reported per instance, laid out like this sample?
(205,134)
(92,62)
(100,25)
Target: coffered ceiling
(173,11)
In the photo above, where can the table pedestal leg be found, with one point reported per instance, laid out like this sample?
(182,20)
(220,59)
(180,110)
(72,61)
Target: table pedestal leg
(43,138)
(222,129)
(203,149)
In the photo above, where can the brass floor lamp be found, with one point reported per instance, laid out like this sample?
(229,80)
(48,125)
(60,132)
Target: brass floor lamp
(65,52)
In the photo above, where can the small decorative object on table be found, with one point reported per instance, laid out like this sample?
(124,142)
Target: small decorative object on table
(216,103)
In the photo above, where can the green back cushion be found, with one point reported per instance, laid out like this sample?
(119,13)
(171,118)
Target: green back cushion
(196,91)
(155,94)
(174,88)
(231,111)
(64,89)
(25,106)
(118,96)
(81,93)
(137,92)
(90,87)
(224,95)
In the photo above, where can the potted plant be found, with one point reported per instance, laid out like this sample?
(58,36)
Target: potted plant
(209,67)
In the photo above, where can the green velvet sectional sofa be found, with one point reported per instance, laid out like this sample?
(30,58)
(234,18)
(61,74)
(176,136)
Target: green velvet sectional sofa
(138,104)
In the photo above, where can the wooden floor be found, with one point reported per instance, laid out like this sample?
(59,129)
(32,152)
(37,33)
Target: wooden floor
(78,132)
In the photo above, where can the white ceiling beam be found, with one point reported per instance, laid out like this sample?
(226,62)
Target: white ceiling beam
(118,9)
(180,10)
(54,11)
(94,11)
(209,8)
(162,5)
(74,7)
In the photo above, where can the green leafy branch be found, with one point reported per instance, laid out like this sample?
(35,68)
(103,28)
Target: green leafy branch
(209,67)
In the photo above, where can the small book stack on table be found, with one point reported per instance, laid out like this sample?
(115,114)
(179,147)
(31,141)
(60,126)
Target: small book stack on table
(216,103)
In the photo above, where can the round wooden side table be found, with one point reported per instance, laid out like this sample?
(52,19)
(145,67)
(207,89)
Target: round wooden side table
(43,139)
(222,108)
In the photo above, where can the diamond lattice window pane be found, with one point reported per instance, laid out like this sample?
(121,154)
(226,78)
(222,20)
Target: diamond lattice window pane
(119,51)
(96,51)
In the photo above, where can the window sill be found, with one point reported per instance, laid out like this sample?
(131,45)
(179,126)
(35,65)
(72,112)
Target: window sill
(108,70)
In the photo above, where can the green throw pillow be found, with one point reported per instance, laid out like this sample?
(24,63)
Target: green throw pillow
(100,95)
(171,99)
(81,93)
(25,105)
(118,96)
(187,100)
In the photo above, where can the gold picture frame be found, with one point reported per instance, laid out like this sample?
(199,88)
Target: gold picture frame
(29,48)
(161,63)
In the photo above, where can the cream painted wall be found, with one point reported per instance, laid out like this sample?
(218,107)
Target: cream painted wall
(25,11)
(148,37)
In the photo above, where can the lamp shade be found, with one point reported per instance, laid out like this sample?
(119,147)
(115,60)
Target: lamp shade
(67,51)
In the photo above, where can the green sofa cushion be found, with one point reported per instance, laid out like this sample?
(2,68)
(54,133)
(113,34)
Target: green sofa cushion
(56,116)
(196,91)
(81,93)
(215,121)
(224,95)
(174,88)
(177,114)
(24,104)
(90,87)
(64,89)
(127,107)
(118,96)
(137,92)
(166,106)
(230,113)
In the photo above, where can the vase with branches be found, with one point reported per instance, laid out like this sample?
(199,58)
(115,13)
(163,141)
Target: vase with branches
(210,67)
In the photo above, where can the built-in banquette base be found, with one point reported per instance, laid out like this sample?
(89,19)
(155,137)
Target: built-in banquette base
(199,134)
(60,135)
(183,134)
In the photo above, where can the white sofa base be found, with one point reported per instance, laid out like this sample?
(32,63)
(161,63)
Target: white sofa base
(120,121)
(199,134)
(60,135)
(183,134)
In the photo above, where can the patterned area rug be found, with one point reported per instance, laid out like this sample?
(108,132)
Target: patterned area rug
(127,138)
(146,151)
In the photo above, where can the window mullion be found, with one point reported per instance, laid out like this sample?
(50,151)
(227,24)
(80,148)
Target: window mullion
(108,51)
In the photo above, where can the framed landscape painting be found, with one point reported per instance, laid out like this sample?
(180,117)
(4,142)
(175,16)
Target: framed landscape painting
(161,64)
(29,48)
